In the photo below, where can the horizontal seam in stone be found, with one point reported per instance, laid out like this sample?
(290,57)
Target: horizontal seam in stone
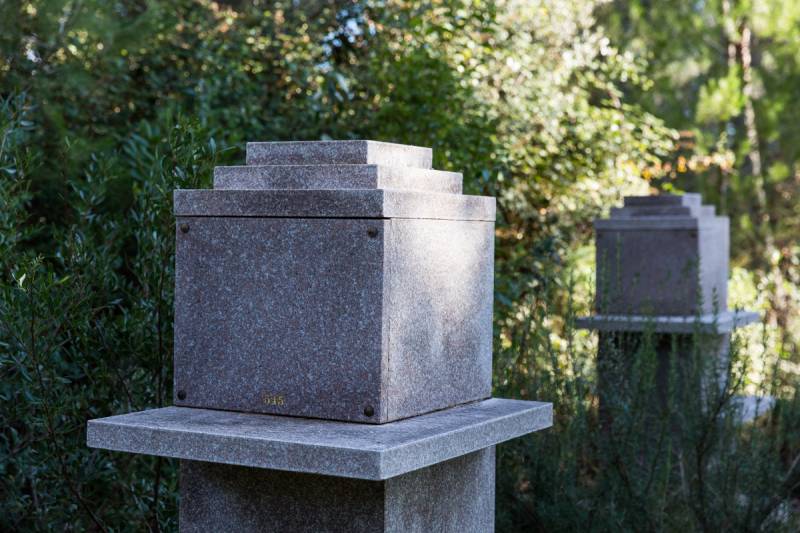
(349,217)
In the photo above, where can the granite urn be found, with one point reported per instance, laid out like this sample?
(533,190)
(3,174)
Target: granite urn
(662,255)
(336,280)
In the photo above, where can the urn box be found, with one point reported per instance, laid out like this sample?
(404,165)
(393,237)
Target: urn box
(662,255)
(342,280)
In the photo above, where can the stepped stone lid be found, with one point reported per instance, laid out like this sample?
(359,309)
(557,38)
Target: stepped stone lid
(663,212)
(342,179)
(353,203)
(276,177)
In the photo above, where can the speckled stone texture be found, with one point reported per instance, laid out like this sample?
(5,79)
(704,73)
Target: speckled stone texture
(437,300)
(658,253)
(325,447)
(350,286)
(288,177)
(280,315)
(333,318)
(454,496)
(338,153)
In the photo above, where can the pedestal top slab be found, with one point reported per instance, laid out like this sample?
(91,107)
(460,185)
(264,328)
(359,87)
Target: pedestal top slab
(657,222)
(319,446)
(713,323)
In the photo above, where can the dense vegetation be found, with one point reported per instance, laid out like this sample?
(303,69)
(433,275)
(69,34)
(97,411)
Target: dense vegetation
(557,108)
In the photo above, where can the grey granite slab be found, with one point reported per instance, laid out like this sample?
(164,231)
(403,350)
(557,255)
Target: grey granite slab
(347,319)
(217,498)
(336,177)
(664,211)
(354,203)
(720,323)
(453,496)
(338,152)
(280,316)
(320,446)
(652,223)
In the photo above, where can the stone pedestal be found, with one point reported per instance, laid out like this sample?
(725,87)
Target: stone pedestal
(368,299)
(662,271)
(333,330)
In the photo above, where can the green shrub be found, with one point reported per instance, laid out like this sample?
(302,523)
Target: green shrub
(632,452)
(87,331)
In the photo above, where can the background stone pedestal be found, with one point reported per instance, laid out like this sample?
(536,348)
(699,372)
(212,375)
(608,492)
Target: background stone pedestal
(662,273)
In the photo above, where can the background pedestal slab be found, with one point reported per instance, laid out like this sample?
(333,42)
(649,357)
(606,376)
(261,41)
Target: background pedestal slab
(723,322)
